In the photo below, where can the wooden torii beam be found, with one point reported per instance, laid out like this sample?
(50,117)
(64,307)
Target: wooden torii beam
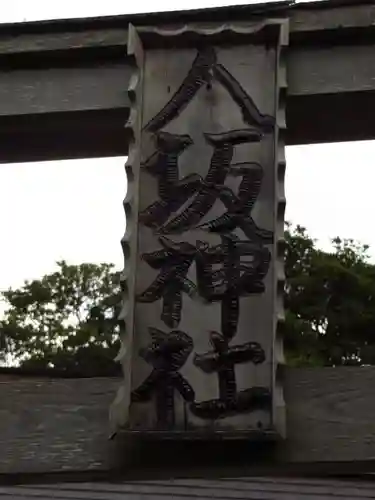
(60,426)
(63,83)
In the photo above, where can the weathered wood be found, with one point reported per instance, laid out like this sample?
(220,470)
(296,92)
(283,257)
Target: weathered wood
(330,414)
(102,85)
(55,424)
(215,488)
(79,68)
(331,15)
(87,134)
(110,31)
(51,90)
(62,425)
(45,111)
(47,39)
(192,280)
(330,70)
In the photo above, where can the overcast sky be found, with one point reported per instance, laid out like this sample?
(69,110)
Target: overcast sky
(73,209)
(34,10)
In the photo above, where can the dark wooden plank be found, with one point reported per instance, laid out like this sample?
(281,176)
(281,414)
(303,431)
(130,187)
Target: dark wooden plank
(101,84)
(330,70)
(59,78)
(53,424)
(331,15)
(70,88)
(330,414)
(200,489)
(76,112)
(57,425)
(51,40)
(73,93)
(76,34)
(330,118)
(49,136)
(109,31)
(100,133)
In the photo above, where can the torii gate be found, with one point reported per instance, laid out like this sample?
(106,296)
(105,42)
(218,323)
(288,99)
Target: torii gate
(203,102)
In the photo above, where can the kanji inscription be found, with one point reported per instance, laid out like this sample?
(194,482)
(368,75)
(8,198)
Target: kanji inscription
(205,277)
(167,354)
(223,360)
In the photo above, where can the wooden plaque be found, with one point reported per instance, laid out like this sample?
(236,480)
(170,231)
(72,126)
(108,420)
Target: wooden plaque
(203,279)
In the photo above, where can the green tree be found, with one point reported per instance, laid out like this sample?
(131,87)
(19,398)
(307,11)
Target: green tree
(66,320)
(329,302)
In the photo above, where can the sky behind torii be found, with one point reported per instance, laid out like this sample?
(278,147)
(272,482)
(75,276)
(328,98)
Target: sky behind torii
(73,209)
(35,10)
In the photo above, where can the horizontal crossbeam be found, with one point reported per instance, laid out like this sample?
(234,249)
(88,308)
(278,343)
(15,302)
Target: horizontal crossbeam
(61,425)
(63,83)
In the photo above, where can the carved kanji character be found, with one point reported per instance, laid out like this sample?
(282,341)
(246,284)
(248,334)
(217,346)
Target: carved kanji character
(234,278)
(167,353)
(174,192)
(173,260)
(222,360)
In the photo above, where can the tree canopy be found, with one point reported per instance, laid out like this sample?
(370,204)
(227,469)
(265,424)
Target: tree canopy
(68,319)
(329,302)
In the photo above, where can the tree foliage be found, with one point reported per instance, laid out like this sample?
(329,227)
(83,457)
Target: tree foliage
(66,320)
(330,302)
